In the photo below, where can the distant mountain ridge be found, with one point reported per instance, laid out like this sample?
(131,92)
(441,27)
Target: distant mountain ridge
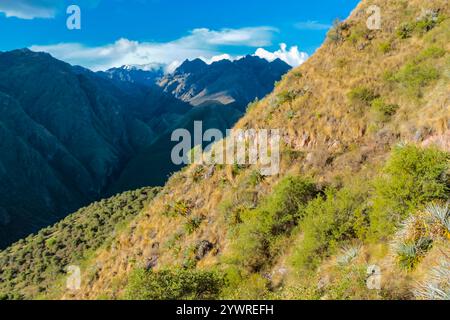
(224,82)
(146,75)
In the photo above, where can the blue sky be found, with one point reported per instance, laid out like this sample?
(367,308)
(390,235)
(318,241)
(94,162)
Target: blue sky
(117,32)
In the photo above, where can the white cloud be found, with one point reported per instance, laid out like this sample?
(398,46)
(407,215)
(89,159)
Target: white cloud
(29,9)
(198,43)
(220,57)
(293,56)
(252,37)
(312,25)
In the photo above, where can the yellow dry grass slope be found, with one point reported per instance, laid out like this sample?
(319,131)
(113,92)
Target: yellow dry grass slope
(332,130)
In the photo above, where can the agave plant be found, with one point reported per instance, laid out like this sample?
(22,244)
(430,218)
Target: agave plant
(441,214)
(437,286)
(348,254)
(409,253)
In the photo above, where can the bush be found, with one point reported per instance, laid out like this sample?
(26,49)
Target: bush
(426,22)
(430,53)
(276,217)
(418,73)
(338,216)
(411,178)
(178,208)
(385,47)
(255,286)
(193,224)
(336,32)
(362,95)
(286,97)
(382,110)
(413,77)
(174,285)
(405,30)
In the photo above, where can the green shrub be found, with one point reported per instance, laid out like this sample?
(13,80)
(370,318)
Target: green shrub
(336,32)
(426,22)
(286,97)
(193,224)
(178,208)
(362,95)
(382,110)
(405,30)
(411,178)
(413,77)
(251,287)
(336,217)
(385,47)
(358,33)
(430,53)
(274,218)
(173,285)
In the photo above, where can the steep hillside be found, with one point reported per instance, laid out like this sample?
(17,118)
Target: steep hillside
(362,194)
(31,266)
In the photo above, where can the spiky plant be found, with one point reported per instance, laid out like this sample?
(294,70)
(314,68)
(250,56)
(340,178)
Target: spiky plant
(437,286)
(348,253)
(410,253)
(441,214)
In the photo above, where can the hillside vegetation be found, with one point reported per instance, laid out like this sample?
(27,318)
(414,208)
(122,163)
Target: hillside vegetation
(31,266)
(362,195)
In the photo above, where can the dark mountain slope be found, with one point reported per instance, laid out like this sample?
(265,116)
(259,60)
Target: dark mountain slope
(155,164)
(66,134)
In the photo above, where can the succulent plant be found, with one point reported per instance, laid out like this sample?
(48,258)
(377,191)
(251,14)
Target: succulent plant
(348,253)
(441,214)
(437,286)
